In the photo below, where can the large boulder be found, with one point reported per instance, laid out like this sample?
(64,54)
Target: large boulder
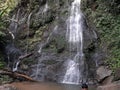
(102,73)
(113,86)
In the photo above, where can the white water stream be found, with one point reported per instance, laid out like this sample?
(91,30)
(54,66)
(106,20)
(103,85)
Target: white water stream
(74,35)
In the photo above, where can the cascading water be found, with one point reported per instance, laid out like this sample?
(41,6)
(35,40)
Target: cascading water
(40,67)
(45,8)
(74,35)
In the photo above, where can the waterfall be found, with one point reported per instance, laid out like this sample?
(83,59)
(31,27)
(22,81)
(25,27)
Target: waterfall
(74,36)
(15,68)
(74,33)
(28,32)
(45,8)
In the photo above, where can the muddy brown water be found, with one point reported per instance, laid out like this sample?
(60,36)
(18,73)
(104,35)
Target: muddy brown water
(47,86)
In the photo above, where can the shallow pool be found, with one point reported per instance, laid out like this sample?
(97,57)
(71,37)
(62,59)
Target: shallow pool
(47,86)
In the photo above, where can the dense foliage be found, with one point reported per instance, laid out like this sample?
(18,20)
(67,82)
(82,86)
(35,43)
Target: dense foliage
(9,4)
(106,17)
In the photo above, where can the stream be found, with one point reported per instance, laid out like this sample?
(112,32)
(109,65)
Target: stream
(47,86)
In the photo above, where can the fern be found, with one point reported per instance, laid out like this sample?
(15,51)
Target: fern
(2,12)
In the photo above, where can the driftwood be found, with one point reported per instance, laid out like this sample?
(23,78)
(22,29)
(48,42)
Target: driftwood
(16,75)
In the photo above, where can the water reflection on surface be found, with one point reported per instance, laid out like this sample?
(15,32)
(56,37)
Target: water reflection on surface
(47,86)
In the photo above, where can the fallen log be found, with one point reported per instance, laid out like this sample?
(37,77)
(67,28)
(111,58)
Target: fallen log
(25,56)
(16,75)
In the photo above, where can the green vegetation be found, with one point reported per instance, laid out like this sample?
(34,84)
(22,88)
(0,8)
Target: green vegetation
(106,17)
(8,5)
(5,7)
